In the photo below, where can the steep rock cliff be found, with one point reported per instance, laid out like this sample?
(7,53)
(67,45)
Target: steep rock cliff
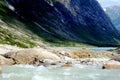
(62,20)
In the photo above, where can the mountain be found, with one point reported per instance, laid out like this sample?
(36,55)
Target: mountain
(19,32)
(114,13)
(63,21)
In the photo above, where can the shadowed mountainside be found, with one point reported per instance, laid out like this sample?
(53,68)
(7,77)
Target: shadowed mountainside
(61,21)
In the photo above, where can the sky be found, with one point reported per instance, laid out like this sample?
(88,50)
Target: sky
(106,3)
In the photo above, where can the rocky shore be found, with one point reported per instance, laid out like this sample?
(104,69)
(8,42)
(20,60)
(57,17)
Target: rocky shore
(10,55)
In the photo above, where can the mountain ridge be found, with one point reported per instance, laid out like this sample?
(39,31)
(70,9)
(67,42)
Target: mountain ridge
(113,13)
(71,20)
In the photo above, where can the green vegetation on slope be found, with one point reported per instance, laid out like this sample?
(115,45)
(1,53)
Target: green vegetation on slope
(7,36)
(15,31)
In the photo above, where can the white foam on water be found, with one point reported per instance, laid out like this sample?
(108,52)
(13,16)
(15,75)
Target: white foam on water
(77,72)
(100,59)
(94,76)
(41,68)
(24,66)
(37,77)
(66,73)
(8,75)
(80,66)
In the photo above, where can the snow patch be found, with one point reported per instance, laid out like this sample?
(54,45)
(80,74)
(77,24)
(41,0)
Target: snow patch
(105,9)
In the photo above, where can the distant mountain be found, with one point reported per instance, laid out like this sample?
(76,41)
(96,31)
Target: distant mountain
(62,21)
(114,13)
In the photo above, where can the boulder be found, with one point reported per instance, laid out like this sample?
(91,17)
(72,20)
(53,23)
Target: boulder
(117,58)
(5,61)
(117,50)
(112,65)
(7,48)
(66,65)
(29,56)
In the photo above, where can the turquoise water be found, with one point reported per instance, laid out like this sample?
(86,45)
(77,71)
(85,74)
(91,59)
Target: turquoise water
(94,49)
(77,72)
(103,48)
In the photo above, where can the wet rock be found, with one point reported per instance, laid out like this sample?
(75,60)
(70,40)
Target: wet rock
(50,62)
(117,50)
(117,58)
(66,65)
(29,56)
(5,61)
(112,65)
(45,62)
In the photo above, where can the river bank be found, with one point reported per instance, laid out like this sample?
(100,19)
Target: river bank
(57,63)
(66,57)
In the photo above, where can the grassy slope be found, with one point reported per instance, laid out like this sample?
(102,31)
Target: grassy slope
(13,31)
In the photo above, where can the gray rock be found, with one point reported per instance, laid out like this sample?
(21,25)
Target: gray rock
(117,58)
(31,56)
(5,61)
(112,65)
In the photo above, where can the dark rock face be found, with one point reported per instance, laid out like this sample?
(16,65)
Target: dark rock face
(76,20)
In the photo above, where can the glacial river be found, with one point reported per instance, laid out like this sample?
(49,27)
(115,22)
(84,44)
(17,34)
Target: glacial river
(94,49)
(77,72)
